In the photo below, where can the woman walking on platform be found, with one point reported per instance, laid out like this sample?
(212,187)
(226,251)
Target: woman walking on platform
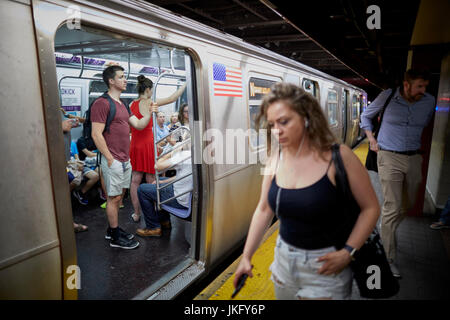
(299,186)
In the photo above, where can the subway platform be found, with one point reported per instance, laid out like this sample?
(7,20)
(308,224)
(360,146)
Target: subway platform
(423,260)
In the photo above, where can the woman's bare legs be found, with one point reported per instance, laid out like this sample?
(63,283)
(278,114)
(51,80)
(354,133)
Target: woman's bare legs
(136,178)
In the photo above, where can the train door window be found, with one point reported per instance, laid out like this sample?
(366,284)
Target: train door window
(363,106)
(257,88)
(81,56)
(332,103)
(355,107)
(311,87)
(345,98)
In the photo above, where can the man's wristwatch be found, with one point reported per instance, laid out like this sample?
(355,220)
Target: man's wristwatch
(350,250)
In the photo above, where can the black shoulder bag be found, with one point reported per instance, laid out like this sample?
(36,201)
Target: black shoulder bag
(371,160)
(370,266)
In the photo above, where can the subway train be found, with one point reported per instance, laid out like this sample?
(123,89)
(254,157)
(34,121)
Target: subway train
(53,53)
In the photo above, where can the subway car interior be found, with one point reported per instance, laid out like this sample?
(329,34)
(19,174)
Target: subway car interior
(80,59)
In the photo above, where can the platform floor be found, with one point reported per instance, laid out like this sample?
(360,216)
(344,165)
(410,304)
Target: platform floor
(423,260)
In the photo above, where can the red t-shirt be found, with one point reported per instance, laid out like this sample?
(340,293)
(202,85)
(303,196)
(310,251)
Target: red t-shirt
(118,137)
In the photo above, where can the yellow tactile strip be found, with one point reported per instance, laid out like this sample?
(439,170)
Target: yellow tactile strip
(260,287)
(361,150)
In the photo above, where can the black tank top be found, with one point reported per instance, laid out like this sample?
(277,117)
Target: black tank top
(307,215)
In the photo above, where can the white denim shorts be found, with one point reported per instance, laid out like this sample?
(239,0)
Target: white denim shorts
(294,274)
(117,177)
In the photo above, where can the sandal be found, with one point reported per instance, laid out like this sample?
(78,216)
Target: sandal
(133,217)
(439,225)
(78,227)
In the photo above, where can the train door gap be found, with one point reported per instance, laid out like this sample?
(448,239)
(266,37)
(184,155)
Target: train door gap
(81,56)
(345,96)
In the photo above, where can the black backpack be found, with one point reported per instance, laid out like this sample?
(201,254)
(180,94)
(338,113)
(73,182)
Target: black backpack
(87,125)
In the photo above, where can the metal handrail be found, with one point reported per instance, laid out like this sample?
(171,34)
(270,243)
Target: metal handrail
(173,165)
(155,143)
(157,172)
(175,147)
(165,75)
(82,66)
(174,197)
(171,60)
(173,132)
(166,184)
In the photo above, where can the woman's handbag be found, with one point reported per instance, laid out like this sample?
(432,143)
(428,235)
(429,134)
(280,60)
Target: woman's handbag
(370,266)
(371,160)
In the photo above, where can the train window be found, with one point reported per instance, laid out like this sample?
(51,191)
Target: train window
(81,56)
(363,103)
(332,104)
(311,87)
(355,107)
(257,88)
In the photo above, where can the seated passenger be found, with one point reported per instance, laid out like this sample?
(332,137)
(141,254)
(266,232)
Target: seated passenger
(74,174)
(173,124)
(67,126)
(183,119)
(89,174)
(162,131)
(154,219)
(89,155)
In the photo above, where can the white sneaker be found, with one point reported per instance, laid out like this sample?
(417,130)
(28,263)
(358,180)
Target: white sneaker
(394,269)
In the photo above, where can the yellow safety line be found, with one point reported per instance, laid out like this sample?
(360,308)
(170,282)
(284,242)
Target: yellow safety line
(260,287)
(361,150)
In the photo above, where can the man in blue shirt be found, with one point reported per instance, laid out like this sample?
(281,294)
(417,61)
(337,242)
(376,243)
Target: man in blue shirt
(399,159)
(161,129)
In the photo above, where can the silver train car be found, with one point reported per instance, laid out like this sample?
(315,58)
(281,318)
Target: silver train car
(53,53)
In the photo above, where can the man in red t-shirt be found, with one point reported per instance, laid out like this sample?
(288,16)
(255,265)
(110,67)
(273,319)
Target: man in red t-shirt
(114,147)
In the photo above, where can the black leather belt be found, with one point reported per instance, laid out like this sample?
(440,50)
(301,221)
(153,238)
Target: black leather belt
(406,153)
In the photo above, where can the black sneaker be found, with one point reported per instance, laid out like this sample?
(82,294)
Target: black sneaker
(124,243)
(122,233)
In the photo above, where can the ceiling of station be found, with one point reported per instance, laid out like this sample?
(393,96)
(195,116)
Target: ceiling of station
(329,35)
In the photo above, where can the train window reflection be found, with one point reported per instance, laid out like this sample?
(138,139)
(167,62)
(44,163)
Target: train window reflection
(258,88)
(355,107)
(332,103)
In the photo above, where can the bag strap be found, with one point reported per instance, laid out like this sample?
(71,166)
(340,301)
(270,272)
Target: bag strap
(112,110)
(334,235)
(342,182)
(126,106)
(377,130)
(341,175)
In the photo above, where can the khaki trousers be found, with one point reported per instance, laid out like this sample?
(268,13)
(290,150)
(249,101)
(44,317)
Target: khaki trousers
(400,178)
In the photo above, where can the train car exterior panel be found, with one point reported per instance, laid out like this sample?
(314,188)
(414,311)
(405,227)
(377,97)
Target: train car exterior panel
(28,213)
(236,197)
(40,274)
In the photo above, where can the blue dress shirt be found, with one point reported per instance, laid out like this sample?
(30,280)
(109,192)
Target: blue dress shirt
(161,133)
(403,122)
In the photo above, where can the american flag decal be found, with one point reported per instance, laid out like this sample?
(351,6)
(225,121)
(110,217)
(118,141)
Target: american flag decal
(227,81)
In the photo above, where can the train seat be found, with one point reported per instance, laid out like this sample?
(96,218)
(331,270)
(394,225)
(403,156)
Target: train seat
(182,214)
